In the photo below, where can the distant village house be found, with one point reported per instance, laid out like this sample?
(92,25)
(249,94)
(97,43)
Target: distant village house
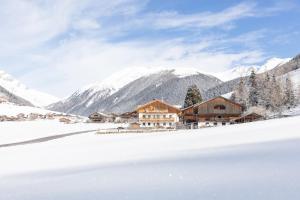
(101,117)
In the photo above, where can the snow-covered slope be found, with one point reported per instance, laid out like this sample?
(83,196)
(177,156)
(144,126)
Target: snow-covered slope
(123,77)
(240,162)
(276,66)
(246,70)
(12,110)
(126,89)
(18,89)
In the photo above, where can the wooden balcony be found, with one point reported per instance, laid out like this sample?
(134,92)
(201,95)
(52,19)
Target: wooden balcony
(157,119)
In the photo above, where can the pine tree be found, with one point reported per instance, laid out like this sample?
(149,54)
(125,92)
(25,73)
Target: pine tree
(241,93)
(289,95)
(253,90)
(193,96)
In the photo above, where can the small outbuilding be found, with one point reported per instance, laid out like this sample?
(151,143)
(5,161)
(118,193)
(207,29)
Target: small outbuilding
(249,117)
(134,125)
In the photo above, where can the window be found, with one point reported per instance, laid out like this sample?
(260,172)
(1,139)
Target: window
(164,124)
(170,116)
(158,124)
(149,116)
(195,111)
(144,124)
(215,123)
(170,124)
(223,123)
(149,124)
(144,116)
(220,107)
(164,116)
(157,116)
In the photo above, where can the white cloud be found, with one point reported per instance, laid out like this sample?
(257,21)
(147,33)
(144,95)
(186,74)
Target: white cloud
(43,36)
(206,19)
(80,62)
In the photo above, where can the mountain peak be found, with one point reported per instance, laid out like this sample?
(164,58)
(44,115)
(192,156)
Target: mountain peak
(121,78)
(239,71)
(13,86)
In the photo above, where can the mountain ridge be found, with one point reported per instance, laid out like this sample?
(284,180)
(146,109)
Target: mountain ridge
(11,87)
(160,84)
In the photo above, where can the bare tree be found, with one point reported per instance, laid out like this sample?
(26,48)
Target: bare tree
(241,93)
(266,91)
(289,94)
(277,100)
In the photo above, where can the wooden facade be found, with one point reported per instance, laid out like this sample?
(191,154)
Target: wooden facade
(217,110)
(250,117)
(101,118)
(128,117)
(158,113)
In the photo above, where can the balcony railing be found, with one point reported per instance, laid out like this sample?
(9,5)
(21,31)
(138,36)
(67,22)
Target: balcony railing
(157,119)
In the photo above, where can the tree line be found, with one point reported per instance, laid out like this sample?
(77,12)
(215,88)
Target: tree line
(264,90)
(267,91)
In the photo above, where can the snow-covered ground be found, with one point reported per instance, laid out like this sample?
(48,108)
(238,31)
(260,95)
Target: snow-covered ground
(10,109)
(249,161)
(11,132)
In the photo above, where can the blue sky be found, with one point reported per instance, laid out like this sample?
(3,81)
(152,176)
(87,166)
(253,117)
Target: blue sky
(58,46)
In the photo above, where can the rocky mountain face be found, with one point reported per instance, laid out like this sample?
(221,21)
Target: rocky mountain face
(292,65)
(168,85)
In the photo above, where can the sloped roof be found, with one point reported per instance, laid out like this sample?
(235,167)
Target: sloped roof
(198,104)
(159,101)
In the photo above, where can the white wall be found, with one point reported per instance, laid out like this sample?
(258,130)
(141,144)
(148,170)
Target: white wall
(143,120)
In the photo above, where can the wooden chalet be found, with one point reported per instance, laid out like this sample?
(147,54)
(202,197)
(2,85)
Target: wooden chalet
(101,117)
(128,117)
(158,113)
(216,111)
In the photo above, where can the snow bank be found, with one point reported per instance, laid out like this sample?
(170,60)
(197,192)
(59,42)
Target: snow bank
(229,162)
(105,149)
(10,109)
(11,132)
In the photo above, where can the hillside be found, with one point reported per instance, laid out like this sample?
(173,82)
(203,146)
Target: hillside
(170,85)
(6,96)
(283,67)
(15,92)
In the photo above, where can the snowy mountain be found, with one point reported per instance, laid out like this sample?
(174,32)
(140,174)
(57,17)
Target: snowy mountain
(279,67)
(13,91)
(12,110)
(125,90)
(239,71)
